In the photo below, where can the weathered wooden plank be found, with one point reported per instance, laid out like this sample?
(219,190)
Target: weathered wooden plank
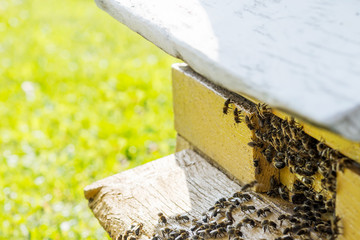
(347,204)
(183,183)
(301,56)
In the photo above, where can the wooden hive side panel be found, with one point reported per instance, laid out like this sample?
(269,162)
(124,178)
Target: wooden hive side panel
(200,120)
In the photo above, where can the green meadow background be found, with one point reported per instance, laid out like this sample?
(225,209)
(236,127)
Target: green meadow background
(81,98)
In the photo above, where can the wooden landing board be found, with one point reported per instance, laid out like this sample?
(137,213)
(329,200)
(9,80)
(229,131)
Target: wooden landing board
(300,56)
(182,183)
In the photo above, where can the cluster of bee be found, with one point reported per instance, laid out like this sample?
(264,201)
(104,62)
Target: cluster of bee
(284,144)
(219,221)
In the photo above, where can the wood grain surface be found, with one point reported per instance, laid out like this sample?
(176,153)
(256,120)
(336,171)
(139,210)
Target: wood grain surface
(183,183)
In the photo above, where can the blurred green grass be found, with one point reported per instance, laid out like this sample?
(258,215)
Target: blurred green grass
(81,98)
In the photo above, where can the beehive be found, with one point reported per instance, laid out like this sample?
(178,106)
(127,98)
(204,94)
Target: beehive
(275,61)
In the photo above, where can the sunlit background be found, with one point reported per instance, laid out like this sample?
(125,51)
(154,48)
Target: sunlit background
(82,98)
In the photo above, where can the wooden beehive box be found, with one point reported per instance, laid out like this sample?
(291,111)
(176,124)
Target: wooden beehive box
(301,59)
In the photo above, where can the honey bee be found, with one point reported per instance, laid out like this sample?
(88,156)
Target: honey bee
(233,232)
(237,115)
(229,216)
(182,236)
(263,212)
(256,162)
(227,106)
(162,218)
(249,221)
(285,238)
(307,180)
(137,229)
(262,109)
(165,231)
(248,185)
(283,217)
(284,193)
(155,237)
(249,123)
(219,232)
(249,209)
(182,218)
(321,147)
(256,143)
(196,237)
(279,163)
(269,153)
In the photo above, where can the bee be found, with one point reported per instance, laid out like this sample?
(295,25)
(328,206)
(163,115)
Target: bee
(275,122)
(162,219)
(227,106)
(272,224)
(165,231)
(256,162)
(303,232)
(307,180)
(256,143)
(263,212)
(249,221)
(219,232)
(269,153)
(205,217)
(279,164)
(283,217)
(196,237)
(245,197)
(284,193)
(265,224)
(262,109)
(120,237)
(232,231)
(249,209)
(249,123)
(285,238)
(182,236)
(204,232)
(249,185)
(137,229)
(228,214)
(182,218)
(298,198)
(237,115)
(321,147)
(155,237)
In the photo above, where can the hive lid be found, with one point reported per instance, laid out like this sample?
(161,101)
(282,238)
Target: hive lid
(299,56)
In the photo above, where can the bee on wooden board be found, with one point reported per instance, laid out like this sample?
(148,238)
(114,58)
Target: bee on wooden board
(249,185)
(162,218)
(182,218)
